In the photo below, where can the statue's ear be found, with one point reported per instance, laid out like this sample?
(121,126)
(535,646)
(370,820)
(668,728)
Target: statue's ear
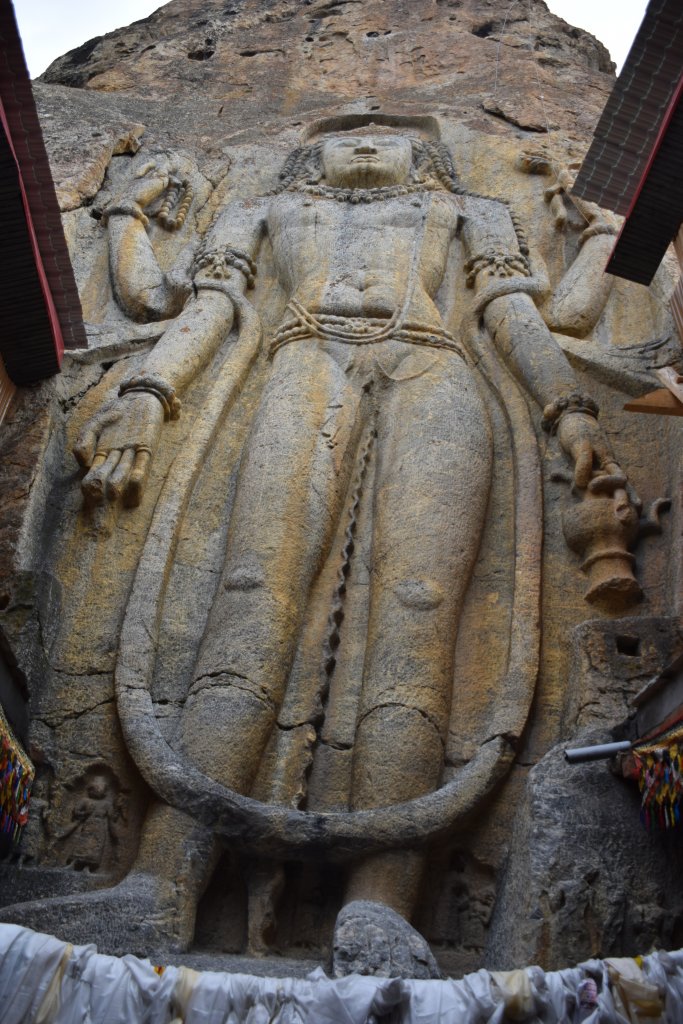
(419,173)
(315,171)
(420,167)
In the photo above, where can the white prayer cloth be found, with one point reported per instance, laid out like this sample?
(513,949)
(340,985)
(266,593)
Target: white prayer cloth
(46,981)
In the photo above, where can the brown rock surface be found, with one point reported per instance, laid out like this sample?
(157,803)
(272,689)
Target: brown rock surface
(263,63)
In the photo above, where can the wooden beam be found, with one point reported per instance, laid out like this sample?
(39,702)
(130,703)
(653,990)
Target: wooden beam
(672,380)
(660,402)
(7,390)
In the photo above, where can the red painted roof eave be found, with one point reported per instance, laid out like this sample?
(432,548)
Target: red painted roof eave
(40,269)
(615,254)
(664,127)
(628,126)
(31,345)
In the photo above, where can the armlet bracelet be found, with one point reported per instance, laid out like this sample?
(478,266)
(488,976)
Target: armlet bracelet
(559,407)
(152,384)
(496,264)
(217,262)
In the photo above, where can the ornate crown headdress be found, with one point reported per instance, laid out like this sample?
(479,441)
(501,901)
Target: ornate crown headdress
(422,127)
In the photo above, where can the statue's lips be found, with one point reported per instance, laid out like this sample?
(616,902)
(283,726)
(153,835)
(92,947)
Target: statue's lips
(365,159)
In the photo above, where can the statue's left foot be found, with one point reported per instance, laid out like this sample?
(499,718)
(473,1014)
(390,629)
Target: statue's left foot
(370,938)
(144,914)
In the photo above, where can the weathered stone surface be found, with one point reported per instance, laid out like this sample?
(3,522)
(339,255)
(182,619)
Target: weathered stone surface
(433,484)
(81,143)
(370,938)
(584,876)
(611,663)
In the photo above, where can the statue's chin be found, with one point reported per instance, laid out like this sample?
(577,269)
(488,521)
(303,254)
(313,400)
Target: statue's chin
(366,176)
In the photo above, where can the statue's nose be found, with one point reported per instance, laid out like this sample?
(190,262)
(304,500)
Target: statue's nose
(365,147)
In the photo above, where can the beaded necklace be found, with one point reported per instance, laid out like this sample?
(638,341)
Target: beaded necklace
(363,195)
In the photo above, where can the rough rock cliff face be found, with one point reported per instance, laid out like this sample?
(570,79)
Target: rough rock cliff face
(546,870)
(210,74)
(247,63)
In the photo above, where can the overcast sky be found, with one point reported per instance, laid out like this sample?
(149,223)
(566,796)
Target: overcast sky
(51,27)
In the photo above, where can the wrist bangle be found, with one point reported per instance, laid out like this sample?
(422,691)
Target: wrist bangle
(599,228)
(559,407)
(152,384)
(127,207)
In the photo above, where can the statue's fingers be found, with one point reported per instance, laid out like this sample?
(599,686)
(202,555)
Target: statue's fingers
(94,484)
(118,478)
(608,483)
(84,448)
(137,478)
(146,168)
(583,465)
(99,458)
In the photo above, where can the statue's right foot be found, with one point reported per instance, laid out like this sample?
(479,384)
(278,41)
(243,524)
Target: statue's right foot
(143,915)
(371,938)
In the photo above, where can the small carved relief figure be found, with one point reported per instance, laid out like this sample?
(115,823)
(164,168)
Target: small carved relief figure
(360,227)
(91,840)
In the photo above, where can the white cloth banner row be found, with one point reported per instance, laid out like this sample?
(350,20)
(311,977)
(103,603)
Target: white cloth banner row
(46,981)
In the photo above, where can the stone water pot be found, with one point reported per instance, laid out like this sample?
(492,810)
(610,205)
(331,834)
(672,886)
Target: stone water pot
(601,528)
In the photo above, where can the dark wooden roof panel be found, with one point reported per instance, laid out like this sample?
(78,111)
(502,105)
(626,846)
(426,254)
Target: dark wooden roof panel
(657,209)
(628,129)
(38,293)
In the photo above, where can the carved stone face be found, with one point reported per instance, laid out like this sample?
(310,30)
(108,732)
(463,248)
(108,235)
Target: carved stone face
(366,161)
(97,788)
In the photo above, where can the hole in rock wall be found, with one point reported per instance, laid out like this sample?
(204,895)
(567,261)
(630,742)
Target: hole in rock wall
(203,54)
(484,30)
(629,645)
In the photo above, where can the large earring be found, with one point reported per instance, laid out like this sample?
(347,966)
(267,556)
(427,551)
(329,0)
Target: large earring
(419,166)
(315,167)
(419,173)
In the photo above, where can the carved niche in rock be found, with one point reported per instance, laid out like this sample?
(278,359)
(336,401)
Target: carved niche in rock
(90,840)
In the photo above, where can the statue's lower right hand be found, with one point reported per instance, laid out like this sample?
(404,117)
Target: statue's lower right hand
(116,446)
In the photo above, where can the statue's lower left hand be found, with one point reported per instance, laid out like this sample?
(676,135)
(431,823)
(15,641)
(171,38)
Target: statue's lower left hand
(582,439)
(116,446)
(595,467)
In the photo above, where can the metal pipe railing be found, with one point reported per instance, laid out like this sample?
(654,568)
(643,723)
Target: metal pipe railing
(599,752)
